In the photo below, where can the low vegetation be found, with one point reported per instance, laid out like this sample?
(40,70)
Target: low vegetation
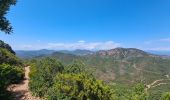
(50,79)
(74,79)
(10,70)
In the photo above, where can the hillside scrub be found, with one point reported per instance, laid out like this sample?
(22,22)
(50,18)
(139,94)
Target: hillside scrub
(6,46)
(51,80)
(9,58)
(11,71)
(9,75)
(42,74)
(166,96)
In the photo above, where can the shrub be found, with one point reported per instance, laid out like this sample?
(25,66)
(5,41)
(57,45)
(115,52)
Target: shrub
(166,96)
(78,87)
(6,46)
(9,75)
(8,57)
(41,75)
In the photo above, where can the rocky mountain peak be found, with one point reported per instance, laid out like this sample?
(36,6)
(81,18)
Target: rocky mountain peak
(123,53)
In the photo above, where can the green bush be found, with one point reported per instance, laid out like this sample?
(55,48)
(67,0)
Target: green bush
(166,96)
(78,87)
(42,74)
(6,46)
(133,92)
(51,80)
(138,92)
(8,58)
(9,75)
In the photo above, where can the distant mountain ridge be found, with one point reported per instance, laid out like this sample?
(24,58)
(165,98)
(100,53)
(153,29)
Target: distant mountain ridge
(120,65)
(78,52)
(44,52)
(123,53)
(116,53)
(165,53)
(33,53)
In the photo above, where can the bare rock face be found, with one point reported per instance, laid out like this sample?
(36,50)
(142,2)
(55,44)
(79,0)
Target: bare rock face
(120,53)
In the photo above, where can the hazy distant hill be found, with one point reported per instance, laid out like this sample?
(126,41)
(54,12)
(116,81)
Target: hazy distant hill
(117,53)
(165,53)
(64,57)
(122,65)
(43,52)
(78,52)
(33,53)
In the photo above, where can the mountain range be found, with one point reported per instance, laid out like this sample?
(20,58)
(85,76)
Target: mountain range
(120,65)
(114,64)
(78,52)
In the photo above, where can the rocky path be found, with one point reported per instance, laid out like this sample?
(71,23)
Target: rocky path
(20,91)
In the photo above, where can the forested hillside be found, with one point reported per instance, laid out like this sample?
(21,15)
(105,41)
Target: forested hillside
(117,68)
(11,70)
(52,80)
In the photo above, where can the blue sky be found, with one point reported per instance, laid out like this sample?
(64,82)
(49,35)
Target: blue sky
(89,24)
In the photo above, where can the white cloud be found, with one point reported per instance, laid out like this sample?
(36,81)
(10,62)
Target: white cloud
(81,41)
(84,45)
(160,49)
(158,45)
(26,46)
(150,42)
(165,40)
(70,46)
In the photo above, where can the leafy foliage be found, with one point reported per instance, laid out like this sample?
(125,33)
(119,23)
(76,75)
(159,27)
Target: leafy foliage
(10,69)
(4,23)
(8,75)
(8,57)
(133,92)
(166,96)
(78,87)
(6,46)
(42,75)
(53,81)
(76,67)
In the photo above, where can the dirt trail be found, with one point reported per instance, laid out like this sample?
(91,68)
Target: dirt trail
(156,82)
(20,91)
(134,66)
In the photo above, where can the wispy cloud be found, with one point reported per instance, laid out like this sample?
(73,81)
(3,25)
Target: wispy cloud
(84,45)
(26,46)
(160,49)
(81,41)
(72,46)
(165,40)
(158,45)
(156,41)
